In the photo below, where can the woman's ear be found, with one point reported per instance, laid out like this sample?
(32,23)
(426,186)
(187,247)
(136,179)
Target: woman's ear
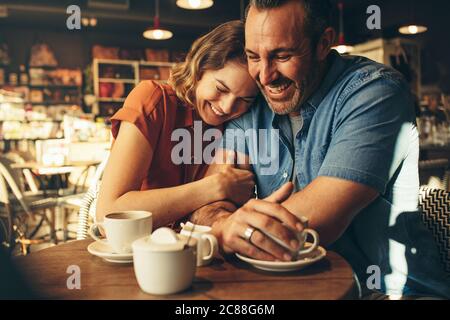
(325,43)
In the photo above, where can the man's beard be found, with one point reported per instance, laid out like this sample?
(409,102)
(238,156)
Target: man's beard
(287,107)
(302,92)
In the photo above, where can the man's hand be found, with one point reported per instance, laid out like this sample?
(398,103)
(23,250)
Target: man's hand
(268,215)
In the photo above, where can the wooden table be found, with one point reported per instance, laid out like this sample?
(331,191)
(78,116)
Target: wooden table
(329,279)
(48,171)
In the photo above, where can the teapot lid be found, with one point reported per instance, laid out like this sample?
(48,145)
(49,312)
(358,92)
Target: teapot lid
(163,240)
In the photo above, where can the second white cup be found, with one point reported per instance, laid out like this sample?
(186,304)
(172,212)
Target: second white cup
(207,245)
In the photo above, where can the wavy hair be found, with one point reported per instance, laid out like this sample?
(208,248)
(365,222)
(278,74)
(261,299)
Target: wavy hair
(210,52)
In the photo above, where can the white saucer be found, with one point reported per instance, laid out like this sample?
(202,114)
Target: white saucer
(105,252)
(274,266)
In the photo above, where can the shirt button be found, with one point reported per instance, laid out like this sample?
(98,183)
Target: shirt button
(285,175)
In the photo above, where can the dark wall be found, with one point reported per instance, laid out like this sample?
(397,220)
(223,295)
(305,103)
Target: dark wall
(73,48)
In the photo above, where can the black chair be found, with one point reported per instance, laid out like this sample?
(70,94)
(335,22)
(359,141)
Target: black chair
(435,207)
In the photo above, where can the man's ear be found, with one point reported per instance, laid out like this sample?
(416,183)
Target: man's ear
(325,43)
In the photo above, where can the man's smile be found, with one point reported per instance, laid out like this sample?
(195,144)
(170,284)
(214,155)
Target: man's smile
(279,91)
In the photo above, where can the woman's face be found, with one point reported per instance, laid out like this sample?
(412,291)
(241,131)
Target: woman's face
(225,94)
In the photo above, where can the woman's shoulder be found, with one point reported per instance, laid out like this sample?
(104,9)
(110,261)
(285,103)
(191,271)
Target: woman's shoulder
(150,95)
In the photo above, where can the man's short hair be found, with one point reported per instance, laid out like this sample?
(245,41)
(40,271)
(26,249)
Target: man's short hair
(317,15)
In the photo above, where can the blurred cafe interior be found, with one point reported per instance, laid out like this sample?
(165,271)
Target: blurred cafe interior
(60,84)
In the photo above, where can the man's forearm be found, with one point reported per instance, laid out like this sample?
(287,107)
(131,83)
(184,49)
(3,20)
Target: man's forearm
(330,204)
(208,214)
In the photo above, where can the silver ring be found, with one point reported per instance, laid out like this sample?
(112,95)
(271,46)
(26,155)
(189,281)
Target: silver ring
(248,233)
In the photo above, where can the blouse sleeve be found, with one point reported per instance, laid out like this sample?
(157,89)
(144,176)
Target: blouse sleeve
(142,108)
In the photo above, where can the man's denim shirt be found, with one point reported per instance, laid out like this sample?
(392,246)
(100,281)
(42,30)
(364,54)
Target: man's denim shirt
(358,126)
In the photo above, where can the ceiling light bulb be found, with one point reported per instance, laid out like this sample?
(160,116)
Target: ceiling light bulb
(157,34)
(412,29)
(195,3)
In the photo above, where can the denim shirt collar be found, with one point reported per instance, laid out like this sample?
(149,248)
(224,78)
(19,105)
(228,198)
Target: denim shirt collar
(309,108)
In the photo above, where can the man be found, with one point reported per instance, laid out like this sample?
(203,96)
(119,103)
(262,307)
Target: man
(347,142)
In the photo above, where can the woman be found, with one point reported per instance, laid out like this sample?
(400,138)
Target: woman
(211,86)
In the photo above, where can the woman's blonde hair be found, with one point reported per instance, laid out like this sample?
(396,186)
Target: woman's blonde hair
(210,52)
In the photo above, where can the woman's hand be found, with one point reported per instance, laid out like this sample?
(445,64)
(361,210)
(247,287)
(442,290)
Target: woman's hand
(236,185)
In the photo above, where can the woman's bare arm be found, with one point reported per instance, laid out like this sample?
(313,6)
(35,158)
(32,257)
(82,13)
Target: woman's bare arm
(128,166)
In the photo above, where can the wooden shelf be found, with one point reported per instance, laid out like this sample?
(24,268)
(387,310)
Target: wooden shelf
(156,64)
(58,86)
(48,103)
(44,67)
(132,62)
(133,78)
(111,99)
(29,139)
(28,121)
(116,80)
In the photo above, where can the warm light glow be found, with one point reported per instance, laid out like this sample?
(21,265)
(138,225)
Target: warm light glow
(93,22)
(195,4)
(343,49)
(89,22)
(412,29)
(157,34)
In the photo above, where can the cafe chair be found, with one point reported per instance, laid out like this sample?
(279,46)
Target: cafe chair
(30,179)
(435,173)
(18,207)
(72,199)
(435,207)
(89,202)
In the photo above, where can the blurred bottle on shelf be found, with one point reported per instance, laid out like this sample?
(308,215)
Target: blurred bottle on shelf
(24,79)
(13,79)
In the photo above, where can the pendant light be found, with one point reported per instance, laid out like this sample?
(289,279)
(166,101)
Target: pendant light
(195,4)
(157,33)
(412,27)
(342,47)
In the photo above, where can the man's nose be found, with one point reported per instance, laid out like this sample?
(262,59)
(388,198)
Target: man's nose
(267,73)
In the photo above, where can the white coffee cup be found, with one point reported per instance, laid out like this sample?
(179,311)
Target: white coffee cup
(301,238)
(122,228)
(207,245)
(164,269)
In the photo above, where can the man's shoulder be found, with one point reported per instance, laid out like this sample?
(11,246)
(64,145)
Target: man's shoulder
(365,80)
(360,70)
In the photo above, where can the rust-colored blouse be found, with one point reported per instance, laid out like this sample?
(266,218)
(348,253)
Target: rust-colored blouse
(156,111)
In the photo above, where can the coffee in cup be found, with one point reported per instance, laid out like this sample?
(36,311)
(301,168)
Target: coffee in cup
(122,228)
